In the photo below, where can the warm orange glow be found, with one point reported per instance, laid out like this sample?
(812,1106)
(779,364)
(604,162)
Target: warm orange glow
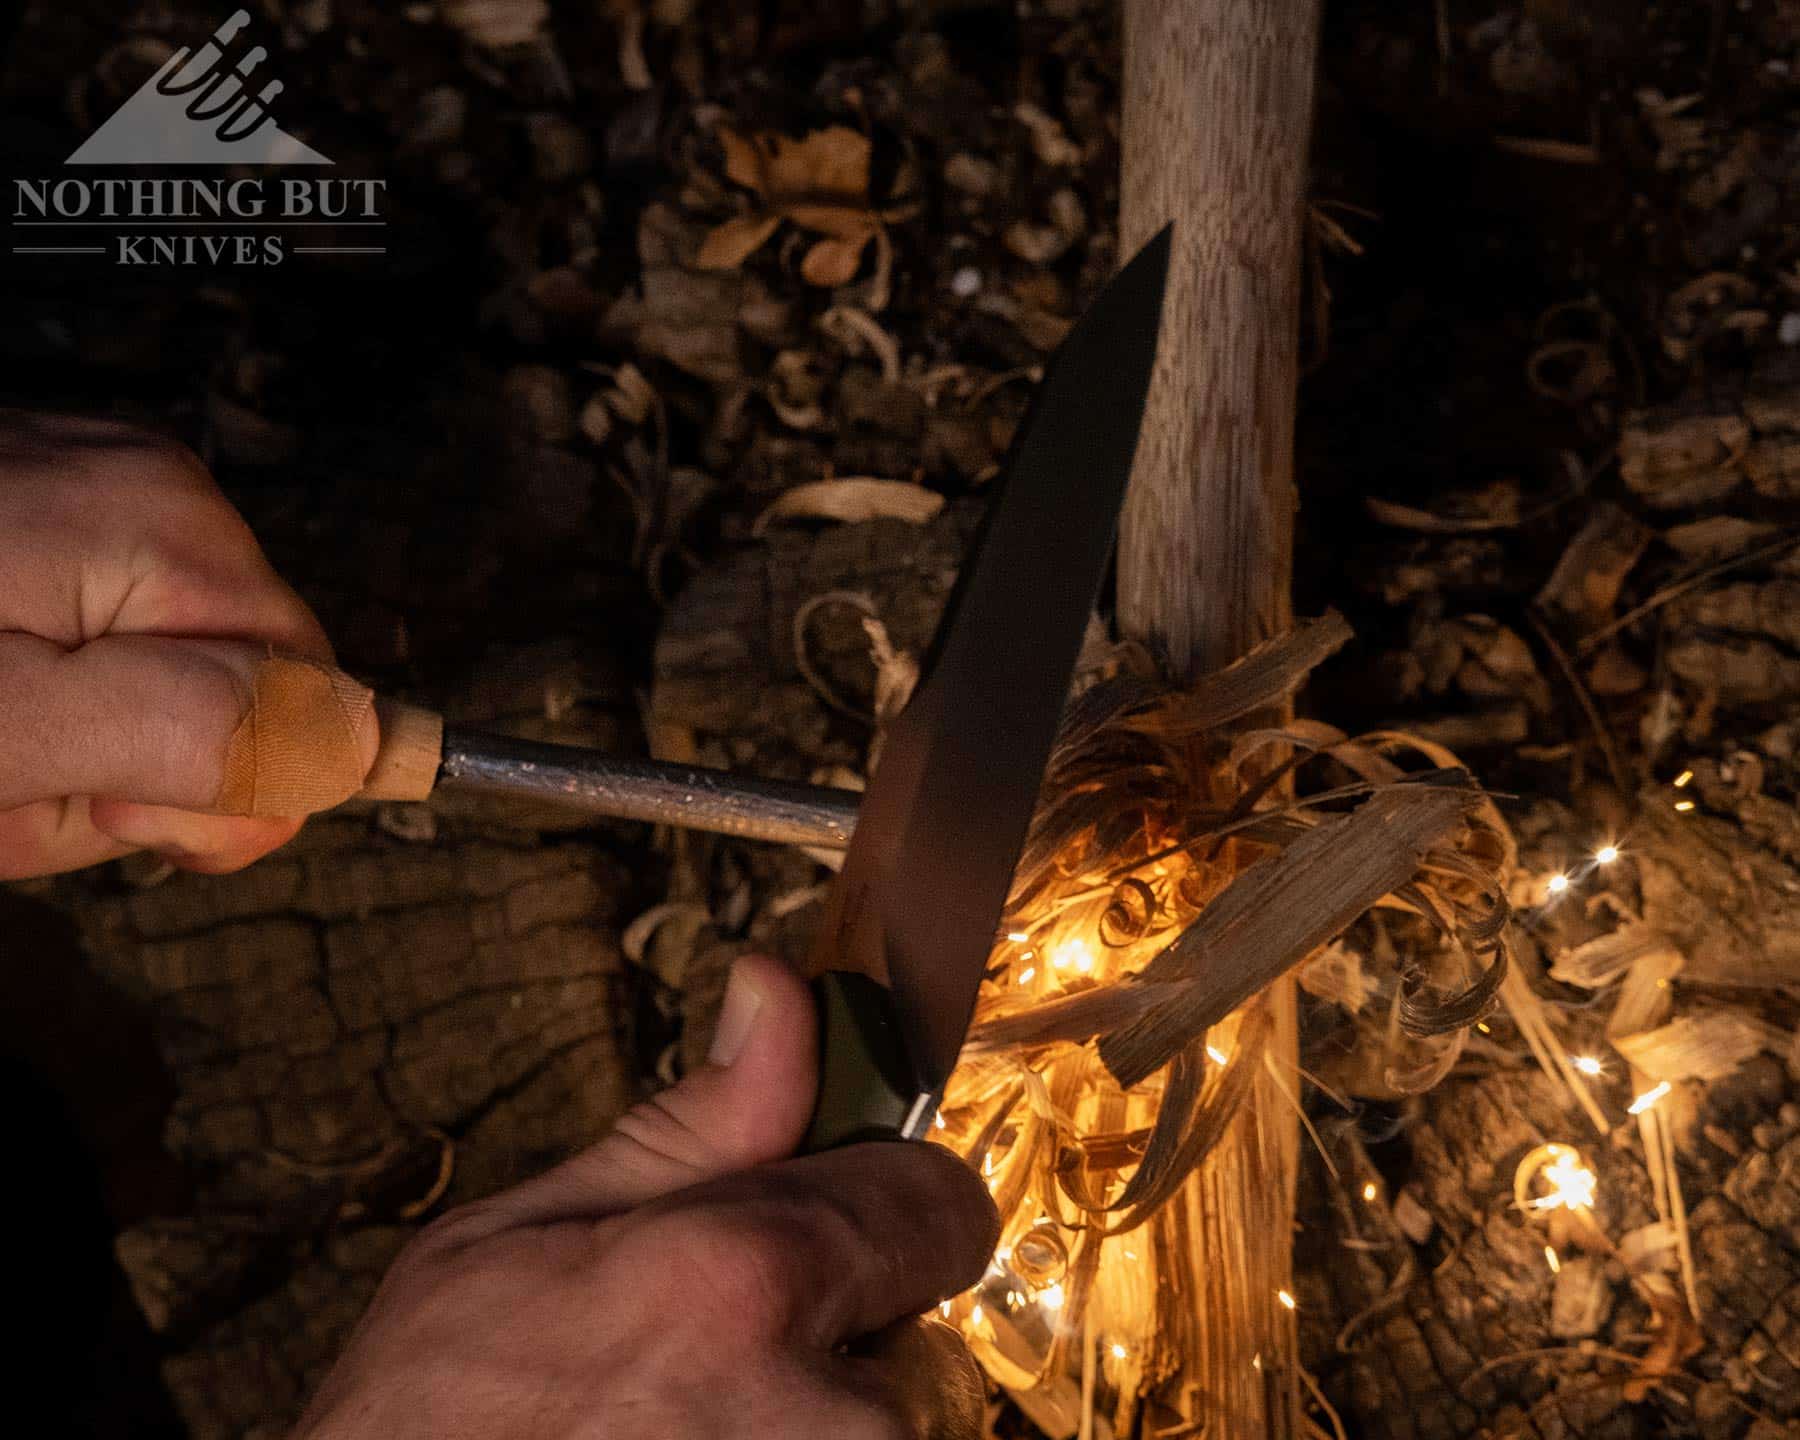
(1073,954)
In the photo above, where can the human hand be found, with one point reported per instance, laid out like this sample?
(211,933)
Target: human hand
(656,1286)
(135,609)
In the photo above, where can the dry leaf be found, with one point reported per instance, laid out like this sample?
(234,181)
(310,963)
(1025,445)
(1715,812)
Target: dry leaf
(728,245)
(852,500)
(820,182)
(1585,584)
(496,24)
(831,262)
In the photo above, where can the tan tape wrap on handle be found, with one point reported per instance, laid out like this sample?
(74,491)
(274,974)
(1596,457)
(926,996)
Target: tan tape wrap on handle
(412,747)
(299,747)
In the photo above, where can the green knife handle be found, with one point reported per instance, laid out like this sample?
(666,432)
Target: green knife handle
(865,1089)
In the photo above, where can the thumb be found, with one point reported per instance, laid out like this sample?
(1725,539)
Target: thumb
(749,1103)
(211,725)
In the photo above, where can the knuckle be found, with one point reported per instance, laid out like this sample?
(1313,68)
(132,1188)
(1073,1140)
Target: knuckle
(135,460)
(746,1257)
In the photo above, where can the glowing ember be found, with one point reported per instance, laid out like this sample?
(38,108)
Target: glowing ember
(1684,806)
(1018,937)
(1028,974)
(1051,1296)
(1216,1055)
(1648,1098)
(1558,884)
(1551,1260)
(1119,1352)
(1369,1191)
(1285,1298)
(1606,854)
(1588,1065)
(1683,778)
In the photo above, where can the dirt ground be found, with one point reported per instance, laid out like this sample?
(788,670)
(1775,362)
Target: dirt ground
(524,465)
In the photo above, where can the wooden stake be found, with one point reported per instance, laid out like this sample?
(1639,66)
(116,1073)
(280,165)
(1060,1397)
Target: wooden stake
(1217,116)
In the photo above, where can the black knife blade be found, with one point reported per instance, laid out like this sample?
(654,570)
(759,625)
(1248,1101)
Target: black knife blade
(912,917)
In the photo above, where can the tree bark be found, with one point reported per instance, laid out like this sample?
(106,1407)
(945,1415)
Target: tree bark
(1217,115)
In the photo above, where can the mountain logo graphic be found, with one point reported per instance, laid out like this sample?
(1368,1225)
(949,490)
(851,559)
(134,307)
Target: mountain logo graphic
(199,110)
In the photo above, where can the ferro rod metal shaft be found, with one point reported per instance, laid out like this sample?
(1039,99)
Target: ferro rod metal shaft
(690,796)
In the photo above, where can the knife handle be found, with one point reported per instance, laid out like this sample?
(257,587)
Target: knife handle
(408,754)
(865,1092)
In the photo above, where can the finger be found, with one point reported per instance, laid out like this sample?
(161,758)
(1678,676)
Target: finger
(205,844)
(193,724)
(51,836)
(750,1103)
(921,1371)
(829,1247)
(114,530)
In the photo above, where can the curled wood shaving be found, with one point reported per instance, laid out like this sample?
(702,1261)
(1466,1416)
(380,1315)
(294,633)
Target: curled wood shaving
(852,500)
(1600,961)
(803,658)
(1165,882)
